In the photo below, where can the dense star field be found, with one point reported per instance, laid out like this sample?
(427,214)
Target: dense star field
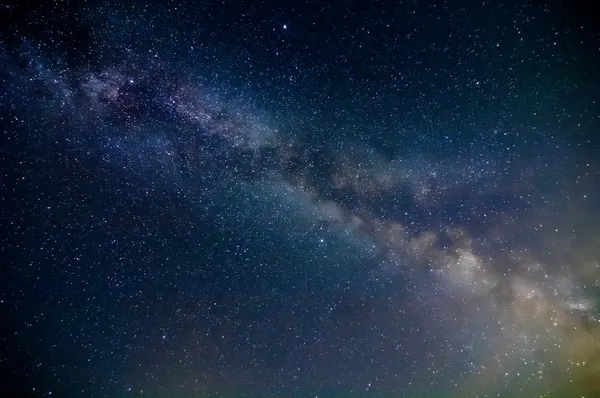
(300,199)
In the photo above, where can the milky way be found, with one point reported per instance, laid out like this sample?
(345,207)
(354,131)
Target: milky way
(270,200)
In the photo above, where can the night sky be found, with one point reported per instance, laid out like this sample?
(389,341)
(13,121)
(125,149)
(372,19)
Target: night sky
(299,199)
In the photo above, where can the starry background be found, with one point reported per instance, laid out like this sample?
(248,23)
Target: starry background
(277,199)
